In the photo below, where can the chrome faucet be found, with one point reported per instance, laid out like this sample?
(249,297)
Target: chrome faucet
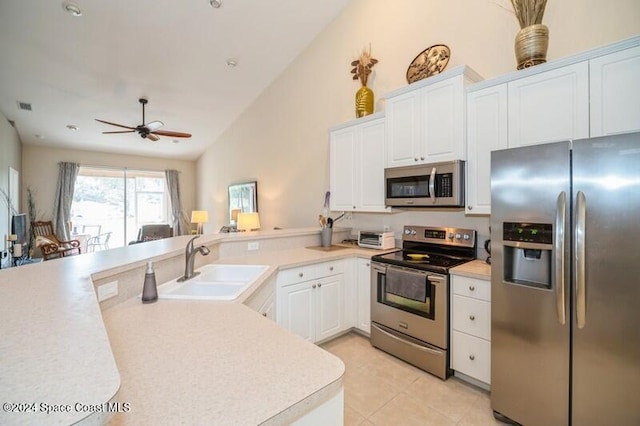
(190,257)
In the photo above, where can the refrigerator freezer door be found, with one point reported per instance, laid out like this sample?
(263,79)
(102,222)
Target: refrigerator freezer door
(529,344)
(606,355)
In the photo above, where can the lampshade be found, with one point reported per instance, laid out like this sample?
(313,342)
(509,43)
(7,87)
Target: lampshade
(248,221)
(234,215)
(200,217)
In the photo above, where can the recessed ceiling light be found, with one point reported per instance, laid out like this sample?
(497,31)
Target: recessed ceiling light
(71,9)
(231,62)
(215,3)
(72,127)
(175,141)
(39,136)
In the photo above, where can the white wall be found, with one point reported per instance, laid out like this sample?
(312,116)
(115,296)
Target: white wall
(10,156)
(40,172)
(281,139)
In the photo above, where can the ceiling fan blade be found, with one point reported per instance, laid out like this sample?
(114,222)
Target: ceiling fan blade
(153,137)
(119,131)
(154,125)
(172,134)
(115,124)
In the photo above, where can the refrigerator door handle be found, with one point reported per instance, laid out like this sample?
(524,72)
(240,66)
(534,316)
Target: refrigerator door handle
(579,259)
(559,247)
(432,185)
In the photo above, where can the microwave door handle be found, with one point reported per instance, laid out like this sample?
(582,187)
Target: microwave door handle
(432,185)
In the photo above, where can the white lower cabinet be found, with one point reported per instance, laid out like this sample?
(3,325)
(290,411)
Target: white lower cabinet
(310,300)
(363,294)
(471,327)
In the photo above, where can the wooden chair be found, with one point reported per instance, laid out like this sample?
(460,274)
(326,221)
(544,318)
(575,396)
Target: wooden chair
(49,244)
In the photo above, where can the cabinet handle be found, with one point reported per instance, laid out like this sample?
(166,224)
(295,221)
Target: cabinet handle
(470,207)
(472,317)
(472,357)
(319,285)
(264,314)
(300,274)
(367,264)
(354,207)
(415,159)
(421,158)
(313,286)
(331,268)
(472,288)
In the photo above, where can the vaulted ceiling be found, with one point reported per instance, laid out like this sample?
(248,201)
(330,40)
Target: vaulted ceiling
(74,69)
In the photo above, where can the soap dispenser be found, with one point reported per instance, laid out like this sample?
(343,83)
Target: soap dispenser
(150,290)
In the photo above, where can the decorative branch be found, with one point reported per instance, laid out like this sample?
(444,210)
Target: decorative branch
(362,66)
(529,12)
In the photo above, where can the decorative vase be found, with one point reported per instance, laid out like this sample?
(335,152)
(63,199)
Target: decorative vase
(531,45)
(364,102)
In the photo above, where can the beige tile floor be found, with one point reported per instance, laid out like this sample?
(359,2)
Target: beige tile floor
(382,390)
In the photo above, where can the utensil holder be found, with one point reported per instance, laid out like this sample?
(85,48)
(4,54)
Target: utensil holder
(325,237)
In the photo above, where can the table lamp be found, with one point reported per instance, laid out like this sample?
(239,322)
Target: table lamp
(200,217)
(248,221)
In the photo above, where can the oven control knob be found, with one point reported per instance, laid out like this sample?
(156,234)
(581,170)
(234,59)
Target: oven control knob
(458,236)
(407,231)
(413,232)
(466,237)
(451,235)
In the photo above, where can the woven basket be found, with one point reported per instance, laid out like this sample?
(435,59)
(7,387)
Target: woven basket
(531,45)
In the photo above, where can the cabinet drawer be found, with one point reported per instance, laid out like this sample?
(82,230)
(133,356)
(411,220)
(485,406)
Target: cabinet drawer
(472,316)
(472,356)
(472,287)
(296,275)
(326,269)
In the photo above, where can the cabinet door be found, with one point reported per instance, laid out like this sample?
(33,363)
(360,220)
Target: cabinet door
(486,132)
(615,92)
(363,288)
(370,196)
(342,176)
(296,309)
(442,121)
(550,106)
(328,304)
(402,129)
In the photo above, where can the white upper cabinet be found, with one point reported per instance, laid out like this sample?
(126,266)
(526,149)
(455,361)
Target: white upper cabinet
(596,93)
(486,132)
(615,92)
(357,165)
(425,120)
(549,107)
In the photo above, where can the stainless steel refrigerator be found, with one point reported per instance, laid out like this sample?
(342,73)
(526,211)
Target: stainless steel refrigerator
(565,282)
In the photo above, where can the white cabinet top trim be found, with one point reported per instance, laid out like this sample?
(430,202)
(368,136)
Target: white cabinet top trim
(559,63)
(362,120)
(453,72)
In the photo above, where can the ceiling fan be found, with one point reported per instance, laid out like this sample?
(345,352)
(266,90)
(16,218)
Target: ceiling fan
(149,130)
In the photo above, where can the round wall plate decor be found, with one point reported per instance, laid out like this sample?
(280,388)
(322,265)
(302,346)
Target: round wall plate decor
(430,61)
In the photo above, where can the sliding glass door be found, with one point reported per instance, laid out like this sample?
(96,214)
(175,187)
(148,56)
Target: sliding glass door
(110,205)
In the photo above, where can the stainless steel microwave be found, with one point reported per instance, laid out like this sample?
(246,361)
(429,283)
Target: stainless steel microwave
(425,185)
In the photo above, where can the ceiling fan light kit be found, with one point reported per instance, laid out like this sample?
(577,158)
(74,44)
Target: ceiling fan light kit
(146,131)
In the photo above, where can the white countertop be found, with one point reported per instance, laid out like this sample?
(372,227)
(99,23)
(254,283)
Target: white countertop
(475,269)
(55,348)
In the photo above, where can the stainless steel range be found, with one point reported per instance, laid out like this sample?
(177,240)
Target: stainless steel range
(410,295)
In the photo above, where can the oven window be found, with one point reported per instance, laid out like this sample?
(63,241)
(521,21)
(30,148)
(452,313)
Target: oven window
(400,289)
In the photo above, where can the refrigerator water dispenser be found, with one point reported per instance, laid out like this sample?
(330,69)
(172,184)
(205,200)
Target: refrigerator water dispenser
(528,254)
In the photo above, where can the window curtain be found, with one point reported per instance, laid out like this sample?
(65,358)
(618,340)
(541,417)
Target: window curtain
(179,221)
(67,173)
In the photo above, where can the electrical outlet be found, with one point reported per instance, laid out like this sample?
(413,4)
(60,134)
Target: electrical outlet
(107,291)
(253,245)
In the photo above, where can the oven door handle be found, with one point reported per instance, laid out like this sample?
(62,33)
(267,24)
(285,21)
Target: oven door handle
(432,185)
(419,347)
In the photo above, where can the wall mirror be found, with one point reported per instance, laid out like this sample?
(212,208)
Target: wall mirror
(243,198)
